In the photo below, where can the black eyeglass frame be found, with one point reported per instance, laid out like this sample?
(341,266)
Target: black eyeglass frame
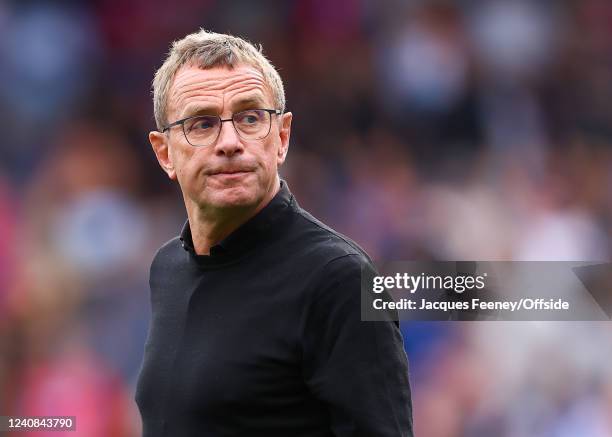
(221,120)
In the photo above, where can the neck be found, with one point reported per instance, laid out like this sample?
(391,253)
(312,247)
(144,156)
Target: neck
(209,227)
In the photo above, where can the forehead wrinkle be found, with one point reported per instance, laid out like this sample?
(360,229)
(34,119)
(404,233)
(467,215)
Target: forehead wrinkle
(196,99)
(238,96)
(184,78)
(210,105)
(252,88)
(187,86)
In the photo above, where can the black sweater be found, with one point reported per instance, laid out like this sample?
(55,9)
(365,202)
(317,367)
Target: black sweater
(264,338)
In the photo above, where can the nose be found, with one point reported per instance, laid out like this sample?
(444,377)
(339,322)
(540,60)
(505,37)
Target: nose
(228,142)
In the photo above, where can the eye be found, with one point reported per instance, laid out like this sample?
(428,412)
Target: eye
(201,123)
(248,117)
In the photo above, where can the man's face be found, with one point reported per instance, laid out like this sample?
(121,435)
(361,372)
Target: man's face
(231,172)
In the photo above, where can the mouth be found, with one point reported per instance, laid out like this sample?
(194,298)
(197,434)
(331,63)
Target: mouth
(235,172)
(229,175)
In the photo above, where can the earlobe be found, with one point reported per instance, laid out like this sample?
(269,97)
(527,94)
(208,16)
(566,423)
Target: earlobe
(285,135)
(159,143)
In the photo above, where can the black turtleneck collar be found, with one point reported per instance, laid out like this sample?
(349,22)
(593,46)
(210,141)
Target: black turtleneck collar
(258,228)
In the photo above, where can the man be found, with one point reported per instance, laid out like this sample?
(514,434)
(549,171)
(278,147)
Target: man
(255,326)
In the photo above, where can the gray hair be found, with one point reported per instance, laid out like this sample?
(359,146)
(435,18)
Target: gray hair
(209,50)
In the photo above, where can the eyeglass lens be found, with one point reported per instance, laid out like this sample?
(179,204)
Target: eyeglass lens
(253,124)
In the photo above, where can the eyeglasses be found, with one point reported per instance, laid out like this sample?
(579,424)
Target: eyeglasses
(203,130)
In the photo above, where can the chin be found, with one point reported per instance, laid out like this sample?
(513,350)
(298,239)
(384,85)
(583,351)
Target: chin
(229,197)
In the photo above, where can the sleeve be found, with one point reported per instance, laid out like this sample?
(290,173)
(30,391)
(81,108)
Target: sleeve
(359,369)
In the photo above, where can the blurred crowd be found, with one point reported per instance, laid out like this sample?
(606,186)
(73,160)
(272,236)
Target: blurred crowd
(424,130)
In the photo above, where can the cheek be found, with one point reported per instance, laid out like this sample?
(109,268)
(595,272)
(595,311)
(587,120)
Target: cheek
(184,164)
(271,156)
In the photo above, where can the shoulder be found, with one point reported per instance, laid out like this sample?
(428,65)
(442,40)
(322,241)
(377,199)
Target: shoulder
(168,250)
(166,256)
(329,262)
(327,246)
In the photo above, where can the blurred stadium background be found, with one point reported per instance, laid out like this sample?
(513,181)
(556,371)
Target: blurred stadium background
(450,130)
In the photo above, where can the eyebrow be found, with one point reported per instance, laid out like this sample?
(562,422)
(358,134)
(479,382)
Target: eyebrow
(247,102)
(194,110)
(238,105)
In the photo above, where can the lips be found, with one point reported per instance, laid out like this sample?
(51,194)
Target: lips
(228,171)
(234,169)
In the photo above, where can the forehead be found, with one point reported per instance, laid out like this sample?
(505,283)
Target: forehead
(215,88)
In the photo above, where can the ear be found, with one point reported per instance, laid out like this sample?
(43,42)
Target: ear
(159,142)
(284,134)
